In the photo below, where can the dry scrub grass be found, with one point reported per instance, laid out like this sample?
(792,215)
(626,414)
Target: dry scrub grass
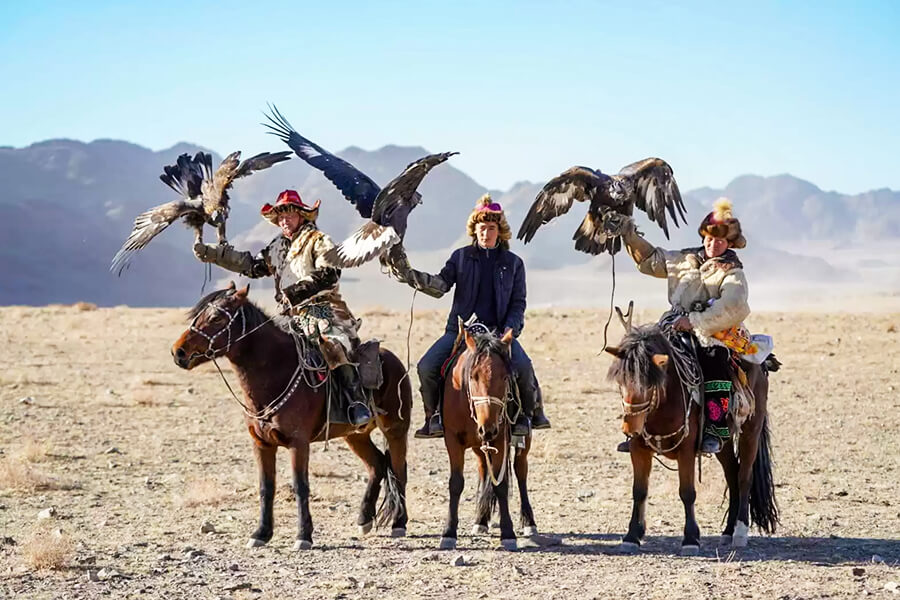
(32,451)
(84,306)
(18,476)
(204,492)
(46,549)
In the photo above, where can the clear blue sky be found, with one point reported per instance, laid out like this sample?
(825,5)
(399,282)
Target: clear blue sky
(522,89)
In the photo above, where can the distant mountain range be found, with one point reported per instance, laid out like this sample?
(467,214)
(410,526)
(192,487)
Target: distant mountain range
(66,206)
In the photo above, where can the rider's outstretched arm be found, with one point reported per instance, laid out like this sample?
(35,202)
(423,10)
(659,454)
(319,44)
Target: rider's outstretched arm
(433,285)
(649,259)
(234,260)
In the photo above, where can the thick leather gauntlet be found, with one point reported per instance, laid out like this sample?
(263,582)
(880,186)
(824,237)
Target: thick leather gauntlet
(224,256)
(433,285)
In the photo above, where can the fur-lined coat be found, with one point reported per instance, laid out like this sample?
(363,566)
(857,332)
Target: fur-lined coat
(711,291)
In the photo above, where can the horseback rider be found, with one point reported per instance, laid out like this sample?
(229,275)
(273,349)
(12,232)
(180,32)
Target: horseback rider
(490,284)
(307,288)
(708,294)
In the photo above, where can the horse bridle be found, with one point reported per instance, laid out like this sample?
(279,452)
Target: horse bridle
(211,352)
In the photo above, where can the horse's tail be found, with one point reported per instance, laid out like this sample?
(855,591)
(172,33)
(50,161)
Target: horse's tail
(487,499)
(392,506)
(763,507)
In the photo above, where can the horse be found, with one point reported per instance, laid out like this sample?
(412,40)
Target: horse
(285,405)
(475,416)
(661,417)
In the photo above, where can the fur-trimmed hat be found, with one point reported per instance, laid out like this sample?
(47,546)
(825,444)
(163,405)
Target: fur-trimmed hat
(488,211)
(720,223)
(289,201)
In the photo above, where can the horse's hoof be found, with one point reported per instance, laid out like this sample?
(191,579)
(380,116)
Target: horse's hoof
(512,545)
(741,535)
(302,545)
(447,543)
(530,530)
(690,550)
(478,529)
(364,529)
(629,547)
(398,532)
(255,543)
(725,540)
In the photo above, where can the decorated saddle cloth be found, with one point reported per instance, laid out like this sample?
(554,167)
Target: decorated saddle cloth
(753,348)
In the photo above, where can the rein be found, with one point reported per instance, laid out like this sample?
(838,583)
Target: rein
(690,377)
(504,421)
(293,383)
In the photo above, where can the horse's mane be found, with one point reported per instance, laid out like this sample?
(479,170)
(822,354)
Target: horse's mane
(487,344)
(255,316)
(635,369)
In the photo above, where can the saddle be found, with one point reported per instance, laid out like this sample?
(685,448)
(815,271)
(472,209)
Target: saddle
(368,359)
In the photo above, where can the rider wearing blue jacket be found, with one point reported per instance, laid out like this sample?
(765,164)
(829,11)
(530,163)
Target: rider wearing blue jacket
(489,283)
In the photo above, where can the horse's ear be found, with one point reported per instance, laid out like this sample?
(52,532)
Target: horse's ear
(614,350)
(242,293)
(231,286)
(661,361)
(470,341)
(507,338)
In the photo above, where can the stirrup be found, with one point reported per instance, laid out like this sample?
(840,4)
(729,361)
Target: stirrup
(359,414)
(522,426)
(711,444)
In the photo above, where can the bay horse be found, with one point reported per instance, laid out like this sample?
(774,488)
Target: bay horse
(475,416)
(663,419)
(285,405)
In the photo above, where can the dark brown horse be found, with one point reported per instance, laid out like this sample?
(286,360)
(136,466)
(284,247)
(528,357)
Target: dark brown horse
(285,404)
(663,419)
(475,416)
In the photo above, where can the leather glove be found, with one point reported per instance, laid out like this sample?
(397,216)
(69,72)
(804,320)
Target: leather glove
(616,224)
(398,263)
(224,256)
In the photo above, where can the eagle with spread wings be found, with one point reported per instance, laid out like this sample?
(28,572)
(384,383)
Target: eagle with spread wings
(204,198)
(647,184)
(386,208)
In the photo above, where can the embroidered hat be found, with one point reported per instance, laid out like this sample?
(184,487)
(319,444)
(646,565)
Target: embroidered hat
(721,223)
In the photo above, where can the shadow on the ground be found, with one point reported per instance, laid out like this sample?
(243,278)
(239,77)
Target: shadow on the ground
(813,550)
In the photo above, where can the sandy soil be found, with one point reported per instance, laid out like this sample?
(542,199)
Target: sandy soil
(134,456)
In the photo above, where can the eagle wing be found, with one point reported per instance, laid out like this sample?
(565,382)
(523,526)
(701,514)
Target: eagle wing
(556,198)
(367,242)
(231,169)
(401,192)
(355,185)
(655,191)
(151,223)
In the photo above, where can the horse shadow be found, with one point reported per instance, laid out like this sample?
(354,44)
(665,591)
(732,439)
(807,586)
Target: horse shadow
(830,550)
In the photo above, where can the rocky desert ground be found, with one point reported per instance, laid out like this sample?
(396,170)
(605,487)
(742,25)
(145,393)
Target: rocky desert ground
(122,476)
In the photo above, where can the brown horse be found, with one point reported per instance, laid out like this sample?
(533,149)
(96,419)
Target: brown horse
(475,416)
(663,419)
(285,404)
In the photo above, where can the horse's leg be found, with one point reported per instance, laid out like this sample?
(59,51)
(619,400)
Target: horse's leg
(265,462)
(641,463)
(730,468)
(457,454)
(521,466)
(397,487)
(300,467)
(501,491)
(372,457)
(690,545)
(483,516)
(748,444)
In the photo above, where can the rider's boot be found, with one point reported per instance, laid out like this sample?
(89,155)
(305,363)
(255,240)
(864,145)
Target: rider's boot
(527,395)
(624,446)
(356,399)
(430,389)
(539,420)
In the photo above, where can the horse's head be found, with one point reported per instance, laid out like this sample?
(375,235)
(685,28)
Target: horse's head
(486,372)
(641,368)
(217,321)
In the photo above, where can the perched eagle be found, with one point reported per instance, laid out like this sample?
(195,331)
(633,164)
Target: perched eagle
(387,209)
(647,184)
(204,198)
